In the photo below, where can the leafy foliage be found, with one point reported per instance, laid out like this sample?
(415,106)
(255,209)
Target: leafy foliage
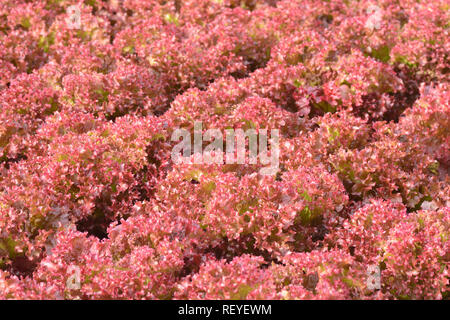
(358,89)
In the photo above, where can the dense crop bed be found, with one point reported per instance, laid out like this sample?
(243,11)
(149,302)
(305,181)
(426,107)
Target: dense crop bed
(93,207)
